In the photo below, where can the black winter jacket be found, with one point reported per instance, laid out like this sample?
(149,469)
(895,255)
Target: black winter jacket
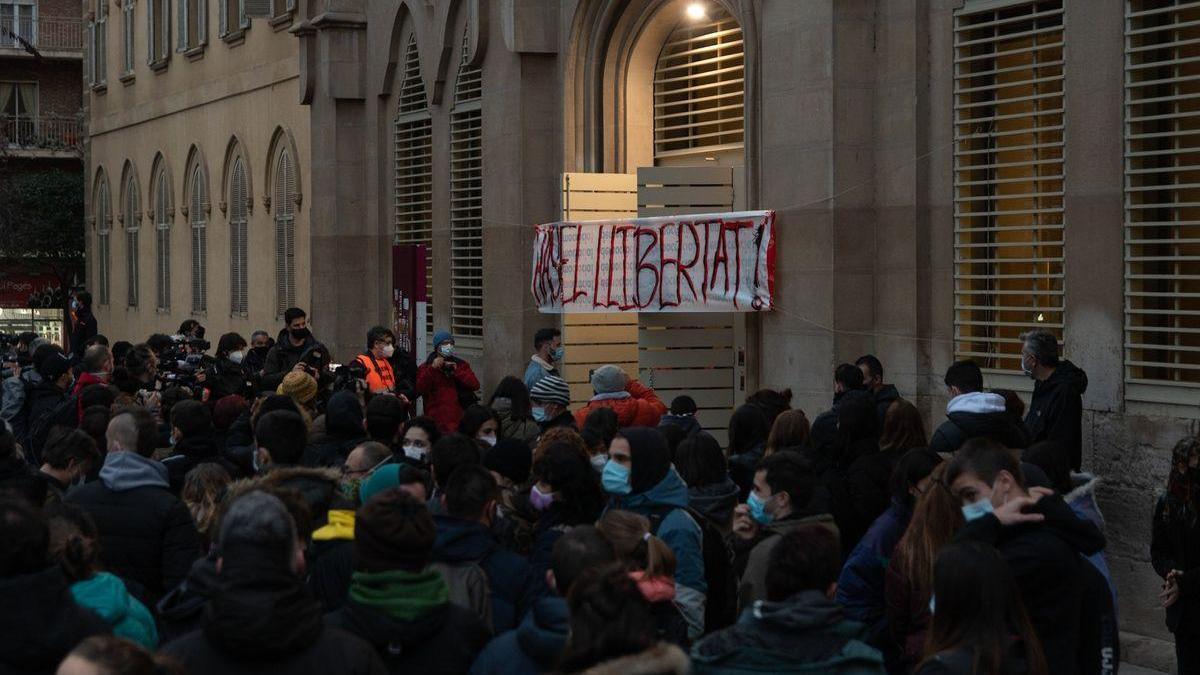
(1045,560)
(1175,545)
(977,415)
(343,431)
(1056,410)
(446,640)
(884,398)
(41,622)
(192,452)
(181,610)
(281,359)
(146,533)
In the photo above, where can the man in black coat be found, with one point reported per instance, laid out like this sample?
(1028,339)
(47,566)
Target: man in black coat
(1056,411)
(974,413)
(195,443)
(146,533)
(1043,542)
(262,618)
(284,357)
(884,394)
(40,622)
(85,327)
(824,428)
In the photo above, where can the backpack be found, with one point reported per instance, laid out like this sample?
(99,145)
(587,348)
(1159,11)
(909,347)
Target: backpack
(64,414)
(721,602)
(469,588)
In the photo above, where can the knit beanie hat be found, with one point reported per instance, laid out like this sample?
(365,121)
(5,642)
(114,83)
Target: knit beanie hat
(393,532)
(510,458)
(551,389)
(440,337)
(609,380)
(53,367)
(300,386)
(385,477)
(650,456)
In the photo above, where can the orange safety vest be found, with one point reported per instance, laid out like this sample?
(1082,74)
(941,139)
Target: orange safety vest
(379,374)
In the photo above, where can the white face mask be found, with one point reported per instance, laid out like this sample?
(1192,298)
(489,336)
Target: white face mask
(446,350)
(388,350)
(413,452)
(598,462)
(490,439)
(237,357)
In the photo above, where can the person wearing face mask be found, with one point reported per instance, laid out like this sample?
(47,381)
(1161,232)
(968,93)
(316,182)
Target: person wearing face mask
(66,461)
(779,503)
(256,355)
(551,398)
(481,423)
(1056,410)
(565,494)
(84,325)
(1042,540)
(447,383)
(381,345)
(420,433)
(547,352)
(228,375)
(284,357)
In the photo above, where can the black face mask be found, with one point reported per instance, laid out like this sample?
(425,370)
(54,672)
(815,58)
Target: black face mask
(261,351)
(299,334)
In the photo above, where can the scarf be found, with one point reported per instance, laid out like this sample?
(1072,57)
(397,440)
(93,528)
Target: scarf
(401,595)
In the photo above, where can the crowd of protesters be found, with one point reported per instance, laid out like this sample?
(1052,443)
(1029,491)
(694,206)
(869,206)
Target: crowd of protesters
(256,511)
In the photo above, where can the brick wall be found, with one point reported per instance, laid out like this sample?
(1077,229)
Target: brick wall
(60,83)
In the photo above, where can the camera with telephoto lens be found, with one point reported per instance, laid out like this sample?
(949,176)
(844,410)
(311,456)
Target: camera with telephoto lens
(350,377)
(179,363)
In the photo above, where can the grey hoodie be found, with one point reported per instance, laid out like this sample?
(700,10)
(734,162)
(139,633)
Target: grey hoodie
(124,470)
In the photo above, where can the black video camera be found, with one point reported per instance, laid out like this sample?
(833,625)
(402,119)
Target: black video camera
(179,363)
(350,377)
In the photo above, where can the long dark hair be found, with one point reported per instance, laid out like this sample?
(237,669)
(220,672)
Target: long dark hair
(700,462)
(474,417)
(514,390)
(978,607)
(609,619)
(903,428)
(747,429)
(569,473)
(229,342)
(1183,484)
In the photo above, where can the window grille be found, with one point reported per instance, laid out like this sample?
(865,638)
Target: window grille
(1162,196)
(162,239)
(466,206)
(238,244)
(1008,179)
(131,240)
(412,158)
(199,221)
(698,89)
(285,234)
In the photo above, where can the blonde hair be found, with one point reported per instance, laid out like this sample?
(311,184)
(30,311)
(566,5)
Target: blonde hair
(203,488)
(634,544)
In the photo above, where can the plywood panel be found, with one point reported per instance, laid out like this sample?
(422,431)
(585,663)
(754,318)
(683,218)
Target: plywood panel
(686,319)
(686,358)
(685,337)
(705,398)
(694,379)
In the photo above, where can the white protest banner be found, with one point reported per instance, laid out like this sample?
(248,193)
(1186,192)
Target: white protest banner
(717,262)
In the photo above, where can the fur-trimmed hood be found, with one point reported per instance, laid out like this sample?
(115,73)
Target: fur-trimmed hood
(318,485)
(661,659)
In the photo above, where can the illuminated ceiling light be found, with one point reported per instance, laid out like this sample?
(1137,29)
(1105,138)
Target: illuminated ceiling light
(696,11)
(1041,317)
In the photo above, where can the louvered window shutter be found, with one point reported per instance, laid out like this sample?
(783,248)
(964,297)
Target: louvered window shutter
(131,241)
(199,243)
(243,17)
(412,159)
(1162,188)
(202,21)
(150,30)
(181,37)
(1008,179)
(223,17)
(466,206)
(285,234)
(163,240)
(91,64)
(238,235)
(130,27)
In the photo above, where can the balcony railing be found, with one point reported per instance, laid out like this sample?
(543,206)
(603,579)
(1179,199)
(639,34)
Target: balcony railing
(39,133)
(51,33)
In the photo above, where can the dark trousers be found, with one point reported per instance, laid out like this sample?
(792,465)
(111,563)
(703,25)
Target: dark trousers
(1187,653)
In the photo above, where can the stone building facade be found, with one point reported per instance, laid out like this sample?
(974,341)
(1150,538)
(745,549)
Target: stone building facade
(946,174)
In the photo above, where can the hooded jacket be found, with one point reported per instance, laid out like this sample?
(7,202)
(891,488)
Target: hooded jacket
(261,620)
(511,580)
(885,396)
(41,622)
(1082,500)
(106,596)
(688,423)
(146,533)
(1056,410)
(181,610)
(534,647)
(1045,561)
(281,359)
(977,414)
(14,400)
(525,430)
(661,659)
(861,585)
(805,634)
(443,641)
(715,502)
(754,579)
(440,391)
(343,431)
(641,408)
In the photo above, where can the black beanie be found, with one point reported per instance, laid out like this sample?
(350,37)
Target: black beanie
(510,458)
(650,455)
(393,531)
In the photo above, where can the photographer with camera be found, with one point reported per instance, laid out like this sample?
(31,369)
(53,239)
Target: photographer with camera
(227,374)
(286,356)
(376,359)
(447,383)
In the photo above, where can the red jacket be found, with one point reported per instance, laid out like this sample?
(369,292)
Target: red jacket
(440,392)
(82,381)
(642,409)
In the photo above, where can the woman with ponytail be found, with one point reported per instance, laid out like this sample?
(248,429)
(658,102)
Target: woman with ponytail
(74,544)
(651,564)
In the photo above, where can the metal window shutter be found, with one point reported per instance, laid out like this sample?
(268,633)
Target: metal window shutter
(412,169)
(1008,179)
(181,36)
(285,234)
(223,17)
(130,28)
(150,30)
(201,22)
(162,238)
(102,43)
(1162,191)
(91,56)
(131,241)
(699,84)
(238,301)
(196,213)
(103,230)
(466,206)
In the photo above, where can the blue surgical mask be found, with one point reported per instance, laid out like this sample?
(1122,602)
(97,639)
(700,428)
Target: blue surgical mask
(615,478)
(559,352)
(758,509)
(539,415)
(932,603)
(977,510)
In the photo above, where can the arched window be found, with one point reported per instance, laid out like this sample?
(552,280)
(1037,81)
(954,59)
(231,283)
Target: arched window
(698,89)
(103,217)
(132,221)
(285,233)
(412,182)
(466,205)
(238,244)
(197,215)
(162,239)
